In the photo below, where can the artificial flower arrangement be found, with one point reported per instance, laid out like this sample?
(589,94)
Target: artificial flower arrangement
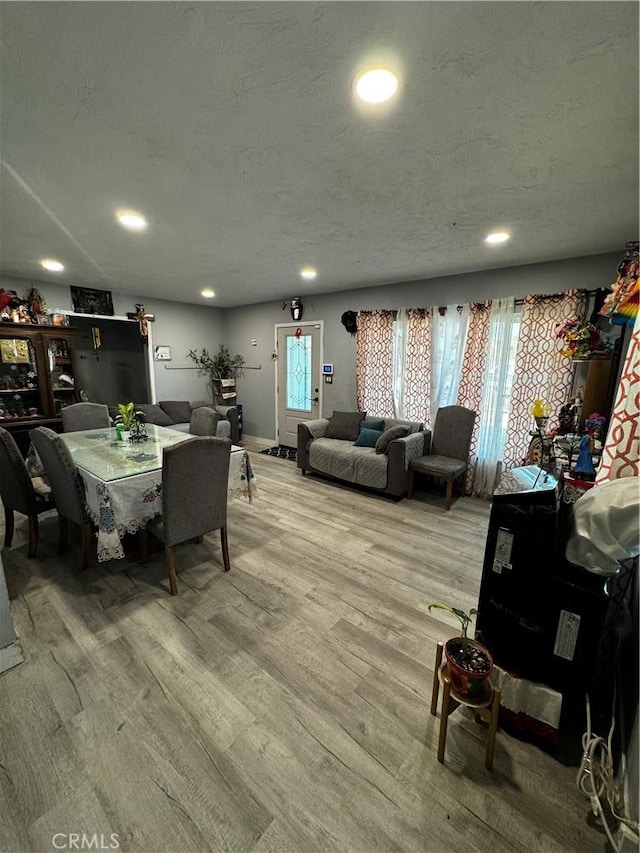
(582,341)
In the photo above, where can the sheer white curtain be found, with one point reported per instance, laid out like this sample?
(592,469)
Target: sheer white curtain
(448,338)
(497,383)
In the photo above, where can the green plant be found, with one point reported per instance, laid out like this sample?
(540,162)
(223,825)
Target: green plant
(221,365)
(128,415)
(462,615)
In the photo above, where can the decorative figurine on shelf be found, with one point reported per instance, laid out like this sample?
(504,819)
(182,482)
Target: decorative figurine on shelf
(567,419)
(584,469)
(594,425)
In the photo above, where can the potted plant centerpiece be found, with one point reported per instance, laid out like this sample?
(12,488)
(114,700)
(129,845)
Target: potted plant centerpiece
(470,663)
(128,416)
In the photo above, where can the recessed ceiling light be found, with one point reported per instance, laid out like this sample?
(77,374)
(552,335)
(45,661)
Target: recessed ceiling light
(51,265)
(131,220)
(376,86)
(308,273)
(207,293)
(497,237)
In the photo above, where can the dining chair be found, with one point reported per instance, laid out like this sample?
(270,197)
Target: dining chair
(450,445)
(66,486)
(17,492)
(79,416)
(195,475)
(204,421)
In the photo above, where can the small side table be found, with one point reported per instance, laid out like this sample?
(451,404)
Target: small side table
(485,710)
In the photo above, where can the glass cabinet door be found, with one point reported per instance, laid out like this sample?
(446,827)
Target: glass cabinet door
(20,395)
(61,374)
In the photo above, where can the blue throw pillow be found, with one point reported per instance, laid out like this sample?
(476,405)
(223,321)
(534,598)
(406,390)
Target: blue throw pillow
(373,424)
(367,437)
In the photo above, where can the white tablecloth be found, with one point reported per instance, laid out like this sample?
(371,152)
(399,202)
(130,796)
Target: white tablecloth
(124,506)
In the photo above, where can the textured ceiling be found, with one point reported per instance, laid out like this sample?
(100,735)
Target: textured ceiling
(232,127)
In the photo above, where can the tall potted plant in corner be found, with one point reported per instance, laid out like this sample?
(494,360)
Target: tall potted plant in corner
(470,663)
(223,368)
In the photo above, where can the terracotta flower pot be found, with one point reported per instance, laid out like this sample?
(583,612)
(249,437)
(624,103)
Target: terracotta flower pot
(467,668)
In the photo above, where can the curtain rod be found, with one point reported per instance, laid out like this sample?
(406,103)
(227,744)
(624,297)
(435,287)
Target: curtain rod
(562,293)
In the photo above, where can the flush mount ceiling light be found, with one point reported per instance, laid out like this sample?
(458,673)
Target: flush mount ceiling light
(308,273)
(497,237)
(131,220)
(51,265)
(376,86)
(207,293)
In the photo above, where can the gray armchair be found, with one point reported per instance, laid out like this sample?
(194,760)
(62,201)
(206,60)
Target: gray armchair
(17,492)
(195,475)
(66,486)
(449,452)
(80,416)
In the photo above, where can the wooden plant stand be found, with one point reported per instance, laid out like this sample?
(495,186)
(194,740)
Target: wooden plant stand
(486,710)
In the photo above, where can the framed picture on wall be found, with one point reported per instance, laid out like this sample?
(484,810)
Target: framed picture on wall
(88,301)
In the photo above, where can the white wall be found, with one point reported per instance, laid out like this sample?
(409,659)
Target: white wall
(256,388)
(181,326)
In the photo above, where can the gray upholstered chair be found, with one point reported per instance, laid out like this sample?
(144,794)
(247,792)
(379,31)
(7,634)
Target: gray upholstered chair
(85,416)
(195,475)
(17,492)
(66,486)
(450,445)
(204,421)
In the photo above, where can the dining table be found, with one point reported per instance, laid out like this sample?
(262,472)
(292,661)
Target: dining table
(122,479)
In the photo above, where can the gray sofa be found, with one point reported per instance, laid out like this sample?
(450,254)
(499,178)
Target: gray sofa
(176,414)
(362,466)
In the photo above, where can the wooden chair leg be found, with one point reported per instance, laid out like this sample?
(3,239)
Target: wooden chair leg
(33,536)
(171,565)
(63,533)
(8,527)
(435,690)
(225,549)
(444,718)
(449,494)
(86,546)
(493,728)
(410,477)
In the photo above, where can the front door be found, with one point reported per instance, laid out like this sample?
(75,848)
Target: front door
(298,378)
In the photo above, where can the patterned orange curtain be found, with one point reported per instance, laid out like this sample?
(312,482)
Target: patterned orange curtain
(417,365)
(473,368)
(621,452)
(374,363)
(540,370)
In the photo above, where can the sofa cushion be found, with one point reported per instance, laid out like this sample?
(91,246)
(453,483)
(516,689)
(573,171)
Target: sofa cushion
(367,437)
(382,444)
(178,410)
(154,414)
(344,426)
(372,423)
(345,461)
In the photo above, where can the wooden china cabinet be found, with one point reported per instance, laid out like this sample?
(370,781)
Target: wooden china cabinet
(37,377)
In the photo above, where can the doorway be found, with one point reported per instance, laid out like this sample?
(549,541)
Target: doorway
(298,379)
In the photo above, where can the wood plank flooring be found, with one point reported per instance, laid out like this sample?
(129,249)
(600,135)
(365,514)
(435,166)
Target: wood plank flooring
(280,708)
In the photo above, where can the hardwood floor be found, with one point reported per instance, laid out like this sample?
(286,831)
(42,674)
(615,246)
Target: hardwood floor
(282,707)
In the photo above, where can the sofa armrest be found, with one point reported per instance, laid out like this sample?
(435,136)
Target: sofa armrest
(307,432)
(401,452)
(231,414)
